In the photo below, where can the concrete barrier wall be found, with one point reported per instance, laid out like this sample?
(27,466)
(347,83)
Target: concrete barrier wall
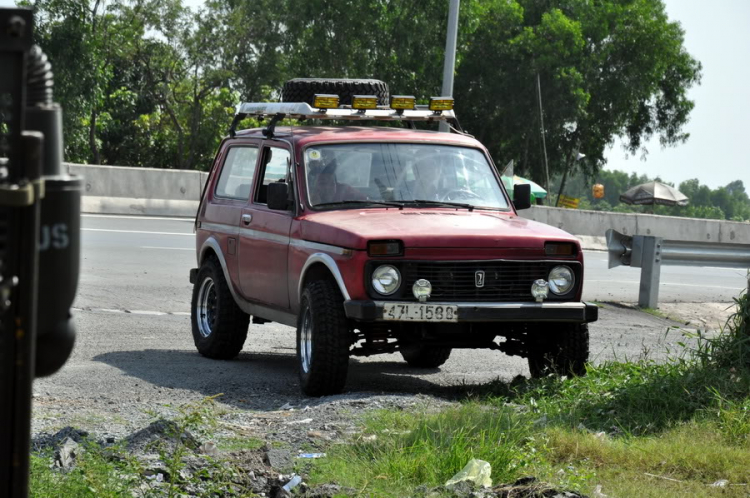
(147,191)
(596,223)
(169,192)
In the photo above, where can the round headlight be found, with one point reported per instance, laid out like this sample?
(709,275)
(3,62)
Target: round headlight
(561,280)
(386,279)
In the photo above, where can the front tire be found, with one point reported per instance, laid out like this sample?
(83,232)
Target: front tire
(219,325)
(323,340)
(564,350)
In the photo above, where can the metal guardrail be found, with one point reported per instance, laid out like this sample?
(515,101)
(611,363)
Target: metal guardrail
(649,253)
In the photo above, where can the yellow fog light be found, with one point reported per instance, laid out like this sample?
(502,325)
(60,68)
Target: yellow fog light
(441,103)
(325,101)
(364,102)
(422,289)
(540,290)
(401,102)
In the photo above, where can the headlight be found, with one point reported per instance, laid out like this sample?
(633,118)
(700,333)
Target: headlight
(561,280)
(386,279)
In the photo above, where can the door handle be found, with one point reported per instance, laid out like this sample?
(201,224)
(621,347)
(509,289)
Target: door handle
(247,218)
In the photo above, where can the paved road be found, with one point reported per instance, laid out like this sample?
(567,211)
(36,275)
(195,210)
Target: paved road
(134,351)
(132,263)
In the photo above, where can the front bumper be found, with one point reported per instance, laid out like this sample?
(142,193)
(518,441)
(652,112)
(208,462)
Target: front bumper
(372,311)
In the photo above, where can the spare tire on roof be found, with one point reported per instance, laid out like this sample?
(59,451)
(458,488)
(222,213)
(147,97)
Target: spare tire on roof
(304,89)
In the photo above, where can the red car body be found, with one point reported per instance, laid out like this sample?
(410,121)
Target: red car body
(267,254)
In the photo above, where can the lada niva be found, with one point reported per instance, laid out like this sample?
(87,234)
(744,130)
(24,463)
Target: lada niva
(371,239)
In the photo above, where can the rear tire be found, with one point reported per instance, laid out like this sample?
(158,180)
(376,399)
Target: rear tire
(219,325)
(562,351)
(425,356)
(323,339)
(304,89)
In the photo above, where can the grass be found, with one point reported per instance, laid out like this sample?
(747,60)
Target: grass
(94,475)
(112,472)
(635,429)
(655,312)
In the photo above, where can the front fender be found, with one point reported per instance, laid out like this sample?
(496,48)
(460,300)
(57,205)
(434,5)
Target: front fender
(332,266)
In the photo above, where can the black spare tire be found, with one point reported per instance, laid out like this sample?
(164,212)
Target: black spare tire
(304,89)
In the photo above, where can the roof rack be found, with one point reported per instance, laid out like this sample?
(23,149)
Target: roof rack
(301,110)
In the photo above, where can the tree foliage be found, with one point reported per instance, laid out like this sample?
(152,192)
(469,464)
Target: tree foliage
(148,82)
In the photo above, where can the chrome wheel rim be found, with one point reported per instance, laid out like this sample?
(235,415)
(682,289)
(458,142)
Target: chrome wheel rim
(305,341)
(206,307)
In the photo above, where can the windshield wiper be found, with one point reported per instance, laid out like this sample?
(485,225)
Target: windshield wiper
(348,203)
(470,207)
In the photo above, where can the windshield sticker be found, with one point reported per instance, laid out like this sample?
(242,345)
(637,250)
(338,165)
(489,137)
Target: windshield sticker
(314,155)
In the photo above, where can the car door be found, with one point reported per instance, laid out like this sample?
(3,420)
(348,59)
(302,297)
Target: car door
(228,196)
(264,234)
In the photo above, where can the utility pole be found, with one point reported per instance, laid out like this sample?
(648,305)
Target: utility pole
(449,66)
(544,140)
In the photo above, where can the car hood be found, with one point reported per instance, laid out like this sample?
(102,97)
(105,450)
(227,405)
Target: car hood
(428,228)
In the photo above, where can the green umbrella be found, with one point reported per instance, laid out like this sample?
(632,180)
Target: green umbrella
(536,190)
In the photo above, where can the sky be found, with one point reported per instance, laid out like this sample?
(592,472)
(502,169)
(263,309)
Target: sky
(717,34)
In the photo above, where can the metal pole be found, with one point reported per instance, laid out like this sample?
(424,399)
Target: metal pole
(648,295)
(544,141)
(449,65)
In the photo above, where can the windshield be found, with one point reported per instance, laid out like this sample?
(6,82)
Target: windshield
(401,172)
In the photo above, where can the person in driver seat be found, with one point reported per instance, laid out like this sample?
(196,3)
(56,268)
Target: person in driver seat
(327,189)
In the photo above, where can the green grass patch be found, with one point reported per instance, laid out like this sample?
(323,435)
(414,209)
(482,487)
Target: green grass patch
(240,443)
(655,312)
(636,429)
(94,475)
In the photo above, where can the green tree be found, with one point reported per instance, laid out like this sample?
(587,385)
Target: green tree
(613,68)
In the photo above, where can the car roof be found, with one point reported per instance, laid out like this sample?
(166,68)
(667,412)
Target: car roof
(305,135)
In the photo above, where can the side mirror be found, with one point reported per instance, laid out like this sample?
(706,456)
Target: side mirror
(277,196)
(522,196)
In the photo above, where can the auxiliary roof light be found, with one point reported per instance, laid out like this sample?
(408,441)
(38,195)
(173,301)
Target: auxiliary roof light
(441,104)
(403,102)
(364,102)
(325,101)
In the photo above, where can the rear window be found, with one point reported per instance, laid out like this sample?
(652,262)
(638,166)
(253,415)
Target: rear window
(236,179)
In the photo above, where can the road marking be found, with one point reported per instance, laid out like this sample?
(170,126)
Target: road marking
(186,220)
(134,312)
(169,248)
(144,312)
(135,231)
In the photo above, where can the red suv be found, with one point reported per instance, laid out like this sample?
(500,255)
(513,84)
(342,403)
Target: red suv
(374,240)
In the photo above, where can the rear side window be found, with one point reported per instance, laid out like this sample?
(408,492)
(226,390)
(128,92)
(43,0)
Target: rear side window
(236,178)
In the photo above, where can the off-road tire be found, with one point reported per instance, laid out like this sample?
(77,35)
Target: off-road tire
(304,89)
(562,350)
(330,339)
(425,356)
(228,326)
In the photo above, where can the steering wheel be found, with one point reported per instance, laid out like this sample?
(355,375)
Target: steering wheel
(458,194)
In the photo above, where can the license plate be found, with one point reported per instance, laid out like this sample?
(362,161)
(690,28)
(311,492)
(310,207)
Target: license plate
(420,312)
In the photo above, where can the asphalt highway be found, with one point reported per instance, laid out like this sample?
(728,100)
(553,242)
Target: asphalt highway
(141,263)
